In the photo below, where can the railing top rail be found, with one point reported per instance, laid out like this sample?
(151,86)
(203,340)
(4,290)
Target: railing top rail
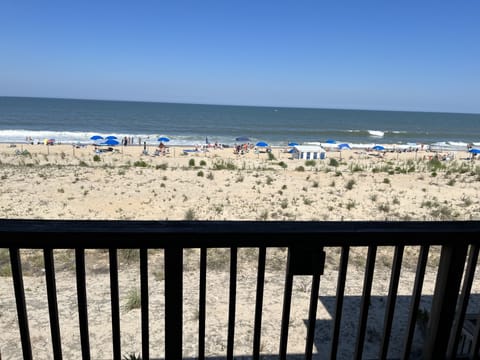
(160,234)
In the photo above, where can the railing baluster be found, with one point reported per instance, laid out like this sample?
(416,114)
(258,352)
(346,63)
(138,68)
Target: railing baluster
(173,302)
(115,303)
(342,276)
(367,288)
(82,302)
(416,296)
(144,301)
(202,303)
(259,302)
(391,301)
(52,303)
(20,301)
(232,302)
(312,316)
(445,297)
(287,300)
(464,297)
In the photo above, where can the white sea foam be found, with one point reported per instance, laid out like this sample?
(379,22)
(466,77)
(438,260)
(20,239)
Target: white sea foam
(376,133)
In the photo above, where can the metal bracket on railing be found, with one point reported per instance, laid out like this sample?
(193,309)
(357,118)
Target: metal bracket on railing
(306,261)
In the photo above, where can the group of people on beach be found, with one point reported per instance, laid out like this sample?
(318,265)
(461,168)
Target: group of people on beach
(242,148)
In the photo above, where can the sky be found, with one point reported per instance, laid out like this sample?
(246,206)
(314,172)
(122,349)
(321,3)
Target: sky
(385,55)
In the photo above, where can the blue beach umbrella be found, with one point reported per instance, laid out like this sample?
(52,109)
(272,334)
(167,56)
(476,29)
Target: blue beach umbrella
(378,148)
(474,151)
(163,139)
(111,137)
(261,144)
(110,142)
(331,141)
(344,146)
(292,144)
(96,137)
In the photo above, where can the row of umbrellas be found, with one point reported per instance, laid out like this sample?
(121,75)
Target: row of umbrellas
(113,140)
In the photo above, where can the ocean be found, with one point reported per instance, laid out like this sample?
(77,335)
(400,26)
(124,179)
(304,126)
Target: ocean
(75,121)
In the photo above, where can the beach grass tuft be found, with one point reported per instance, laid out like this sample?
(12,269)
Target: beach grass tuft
(134,300)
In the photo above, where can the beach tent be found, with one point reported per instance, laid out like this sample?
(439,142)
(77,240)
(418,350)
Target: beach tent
(308,152)
(344,146)
(110,142)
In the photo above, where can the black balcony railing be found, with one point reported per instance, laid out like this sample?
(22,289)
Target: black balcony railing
(307,244)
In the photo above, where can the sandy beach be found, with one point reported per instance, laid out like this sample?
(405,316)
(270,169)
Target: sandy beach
(67,182)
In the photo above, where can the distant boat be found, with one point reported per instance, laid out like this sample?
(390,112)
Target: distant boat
(376,133)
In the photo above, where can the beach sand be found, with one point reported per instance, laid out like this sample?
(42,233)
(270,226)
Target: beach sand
(65,182)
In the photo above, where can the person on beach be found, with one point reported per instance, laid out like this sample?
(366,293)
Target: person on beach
(162,148)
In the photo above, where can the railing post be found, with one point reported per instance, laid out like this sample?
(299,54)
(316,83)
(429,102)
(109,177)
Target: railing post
(302,261)
(449,278)
(173,302)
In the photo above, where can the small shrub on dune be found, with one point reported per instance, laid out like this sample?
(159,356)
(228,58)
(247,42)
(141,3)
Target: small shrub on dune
(190,215)
(435,165)
(349,185)
(140,163)
(133,300)
(384,208)
(333,162)
(224,165)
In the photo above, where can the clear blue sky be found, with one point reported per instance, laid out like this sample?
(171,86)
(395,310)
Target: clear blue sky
(395,55)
